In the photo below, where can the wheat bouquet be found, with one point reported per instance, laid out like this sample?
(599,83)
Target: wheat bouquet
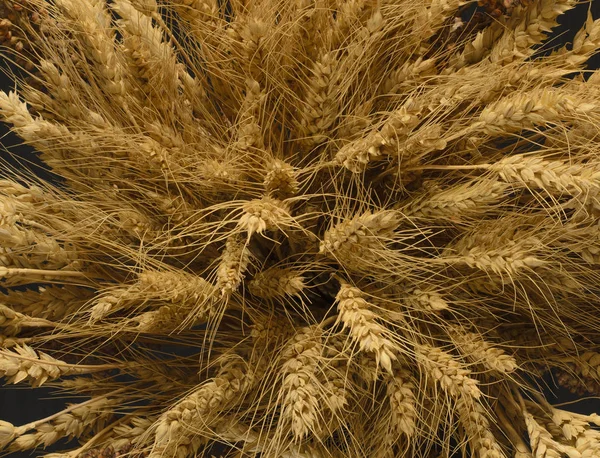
(302,228)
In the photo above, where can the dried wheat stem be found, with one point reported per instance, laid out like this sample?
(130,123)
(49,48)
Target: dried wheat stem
(22,276)
(370,336)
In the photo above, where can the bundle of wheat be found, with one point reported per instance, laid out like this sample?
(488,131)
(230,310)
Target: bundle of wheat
(302,228)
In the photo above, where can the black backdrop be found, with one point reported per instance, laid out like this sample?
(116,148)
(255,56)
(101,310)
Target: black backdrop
(20,405)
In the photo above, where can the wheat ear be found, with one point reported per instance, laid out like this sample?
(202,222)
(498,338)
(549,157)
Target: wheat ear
(300,387)
(370,336)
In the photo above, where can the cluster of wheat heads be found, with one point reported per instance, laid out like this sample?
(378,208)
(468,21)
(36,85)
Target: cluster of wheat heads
(302,228)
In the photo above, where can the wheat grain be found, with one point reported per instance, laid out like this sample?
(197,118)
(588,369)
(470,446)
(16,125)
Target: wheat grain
(38,132)
(200,409)
(335,382)
(48,302)
(321,100)
(457,202)
(265,214)
(477,428)
(361,233)
(248,130)
(409,75)
(222,166)
(26,248)
(400,391)
(76,420)
(280,179)
(13,322)
(524,111)
(502,250)
(356,155)
(452,376)
(554,177)
(478,350)
(425,300)
(542,443)
(232,266)
(370,336)
(276,282)
(151,61)
(299,388)
(187,292)
(7,433)
(25,364)
(517,42)
(92,21)
(585,43)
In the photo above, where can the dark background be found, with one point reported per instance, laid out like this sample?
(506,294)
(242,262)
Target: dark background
(20,405)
